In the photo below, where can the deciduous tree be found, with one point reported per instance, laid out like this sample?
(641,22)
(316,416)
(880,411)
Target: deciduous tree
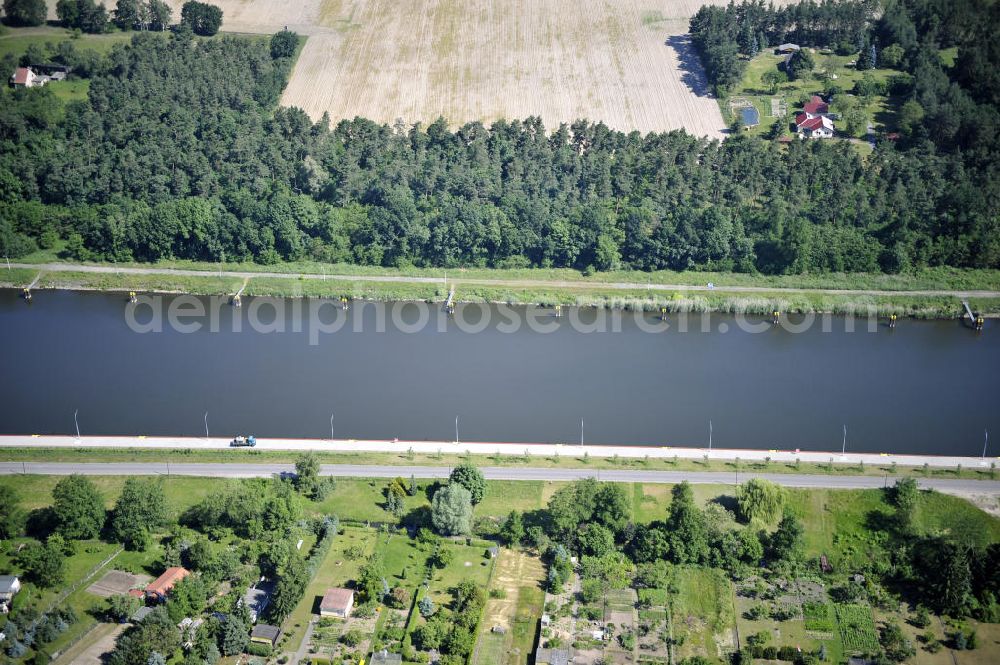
(471,478)
(78,508)
(25,12)
(451,510)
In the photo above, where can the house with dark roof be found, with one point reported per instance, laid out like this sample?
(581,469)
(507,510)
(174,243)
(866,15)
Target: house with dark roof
(553,657)
(141,614)
(262,633)
(257,598)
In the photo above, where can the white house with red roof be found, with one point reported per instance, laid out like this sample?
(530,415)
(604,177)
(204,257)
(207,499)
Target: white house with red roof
(813,121)
(25,77)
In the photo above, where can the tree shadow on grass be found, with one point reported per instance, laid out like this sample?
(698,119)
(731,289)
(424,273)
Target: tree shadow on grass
(727,502)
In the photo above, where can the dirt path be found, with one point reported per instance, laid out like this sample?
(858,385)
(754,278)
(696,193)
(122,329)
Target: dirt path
(91,649)
(504,283)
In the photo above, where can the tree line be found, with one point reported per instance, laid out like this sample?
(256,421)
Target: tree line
(180,151)
(91,17)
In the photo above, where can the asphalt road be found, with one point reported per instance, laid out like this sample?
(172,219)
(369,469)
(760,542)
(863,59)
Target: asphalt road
(245,470)
(515,283)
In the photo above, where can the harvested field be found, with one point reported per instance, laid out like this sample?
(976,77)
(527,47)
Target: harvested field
(624,63)
(628,63)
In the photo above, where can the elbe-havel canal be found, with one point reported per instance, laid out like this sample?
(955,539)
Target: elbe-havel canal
(924,387)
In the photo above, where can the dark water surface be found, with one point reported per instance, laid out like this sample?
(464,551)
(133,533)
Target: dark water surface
(925,387)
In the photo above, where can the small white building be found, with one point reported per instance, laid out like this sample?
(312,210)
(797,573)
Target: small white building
(9,586)
(337,603)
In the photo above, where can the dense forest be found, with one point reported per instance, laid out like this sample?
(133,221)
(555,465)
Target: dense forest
(181,151)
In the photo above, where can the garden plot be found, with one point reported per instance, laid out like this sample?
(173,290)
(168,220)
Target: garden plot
(117,582)
(652,631)
(857,628)
(515,588)
(620,621)
(779,610)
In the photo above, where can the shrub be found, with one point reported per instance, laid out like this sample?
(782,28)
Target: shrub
(258,649)
(352,638)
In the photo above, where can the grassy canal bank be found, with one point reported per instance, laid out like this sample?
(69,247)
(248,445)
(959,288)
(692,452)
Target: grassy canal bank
(446,459)
(929,293)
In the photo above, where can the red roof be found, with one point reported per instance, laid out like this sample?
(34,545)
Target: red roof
(21,76)
(809,123)
(336,599)
(816,106)
(162,585)
(136,593)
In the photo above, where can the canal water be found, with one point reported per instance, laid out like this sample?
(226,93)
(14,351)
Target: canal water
(507,374)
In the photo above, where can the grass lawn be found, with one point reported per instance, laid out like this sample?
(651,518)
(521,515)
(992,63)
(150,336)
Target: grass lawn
(835,522)
(530,600)
(923,279)
(880,110)
(181,492)
(70,91)
(470,563)
(491,649)
(703,613)
(17,40)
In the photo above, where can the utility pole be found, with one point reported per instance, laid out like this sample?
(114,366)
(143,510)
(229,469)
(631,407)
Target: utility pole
(843,447)
(985,443)
(456,429)
(581,432)
(77,423)
(709,436)
(331,426)
(206,424)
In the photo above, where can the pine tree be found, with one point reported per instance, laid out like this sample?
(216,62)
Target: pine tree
(426,607)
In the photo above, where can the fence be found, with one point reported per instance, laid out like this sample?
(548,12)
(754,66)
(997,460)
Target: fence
(65,594)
